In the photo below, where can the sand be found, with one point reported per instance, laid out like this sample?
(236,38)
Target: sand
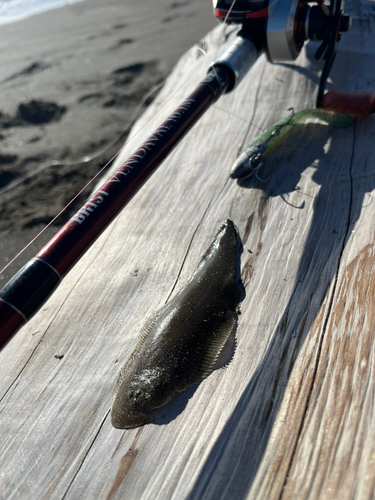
(72,81)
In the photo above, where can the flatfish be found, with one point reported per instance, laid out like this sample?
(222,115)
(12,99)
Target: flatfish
(181,342)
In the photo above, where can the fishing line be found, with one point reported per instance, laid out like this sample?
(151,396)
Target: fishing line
(224,100)
(239,151)
(86,158)
(111,160)
(229,11)
(103,168)
(214,69)
(240,118)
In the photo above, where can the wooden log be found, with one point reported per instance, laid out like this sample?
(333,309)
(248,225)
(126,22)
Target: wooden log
(292,415)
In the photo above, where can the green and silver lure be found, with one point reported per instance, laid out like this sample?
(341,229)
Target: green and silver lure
(255,155)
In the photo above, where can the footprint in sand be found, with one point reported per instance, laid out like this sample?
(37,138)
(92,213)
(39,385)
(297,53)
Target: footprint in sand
(122,42)
(7,159)
(90,97)
(38,112)
(32,69)
(136,68)
(127,74)
(176,5)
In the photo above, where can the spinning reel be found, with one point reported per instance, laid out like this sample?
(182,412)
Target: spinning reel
(281,27)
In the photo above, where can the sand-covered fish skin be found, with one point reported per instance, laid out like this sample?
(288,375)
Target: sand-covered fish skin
(253,158)
(181,342)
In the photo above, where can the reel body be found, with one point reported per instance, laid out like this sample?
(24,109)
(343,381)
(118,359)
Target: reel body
(281,27)
(241,10)
(287,24)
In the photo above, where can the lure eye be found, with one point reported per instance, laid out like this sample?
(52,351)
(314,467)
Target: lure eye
(256,161)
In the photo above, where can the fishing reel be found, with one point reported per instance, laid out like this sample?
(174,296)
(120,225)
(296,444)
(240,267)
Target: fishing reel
(281,27)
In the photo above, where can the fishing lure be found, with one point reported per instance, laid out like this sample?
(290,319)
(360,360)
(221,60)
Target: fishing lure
(253,158)
(181,342)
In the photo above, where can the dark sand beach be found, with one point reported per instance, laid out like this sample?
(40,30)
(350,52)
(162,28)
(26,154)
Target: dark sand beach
(72,82)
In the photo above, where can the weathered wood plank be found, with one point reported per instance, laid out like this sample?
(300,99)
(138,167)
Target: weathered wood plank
(340,415)
(293,411)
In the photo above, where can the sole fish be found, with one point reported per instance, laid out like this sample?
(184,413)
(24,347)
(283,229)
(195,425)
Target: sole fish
(181,342)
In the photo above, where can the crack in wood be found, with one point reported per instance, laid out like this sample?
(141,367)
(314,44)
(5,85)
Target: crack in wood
(189,246)
(41,339)
(86,455)
(325,323)
(248,268)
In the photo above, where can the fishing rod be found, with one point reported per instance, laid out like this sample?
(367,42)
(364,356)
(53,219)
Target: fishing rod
(277,27)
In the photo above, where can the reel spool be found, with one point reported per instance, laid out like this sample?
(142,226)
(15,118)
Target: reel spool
(281,27)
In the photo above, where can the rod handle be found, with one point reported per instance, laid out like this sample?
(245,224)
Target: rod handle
(361,104)
(10,322)
(24,294)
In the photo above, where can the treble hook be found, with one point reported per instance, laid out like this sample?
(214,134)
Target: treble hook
(291,205)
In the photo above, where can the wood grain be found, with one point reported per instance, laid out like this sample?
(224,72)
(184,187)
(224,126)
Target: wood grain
(292,415)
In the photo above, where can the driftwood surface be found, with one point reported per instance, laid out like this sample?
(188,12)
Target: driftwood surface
(292,416)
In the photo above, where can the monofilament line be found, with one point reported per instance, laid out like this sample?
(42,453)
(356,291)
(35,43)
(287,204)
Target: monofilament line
(98,173)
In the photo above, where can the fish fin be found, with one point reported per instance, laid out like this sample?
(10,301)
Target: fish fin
(217,345)
(238,293)
(147,327)
(145,332)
